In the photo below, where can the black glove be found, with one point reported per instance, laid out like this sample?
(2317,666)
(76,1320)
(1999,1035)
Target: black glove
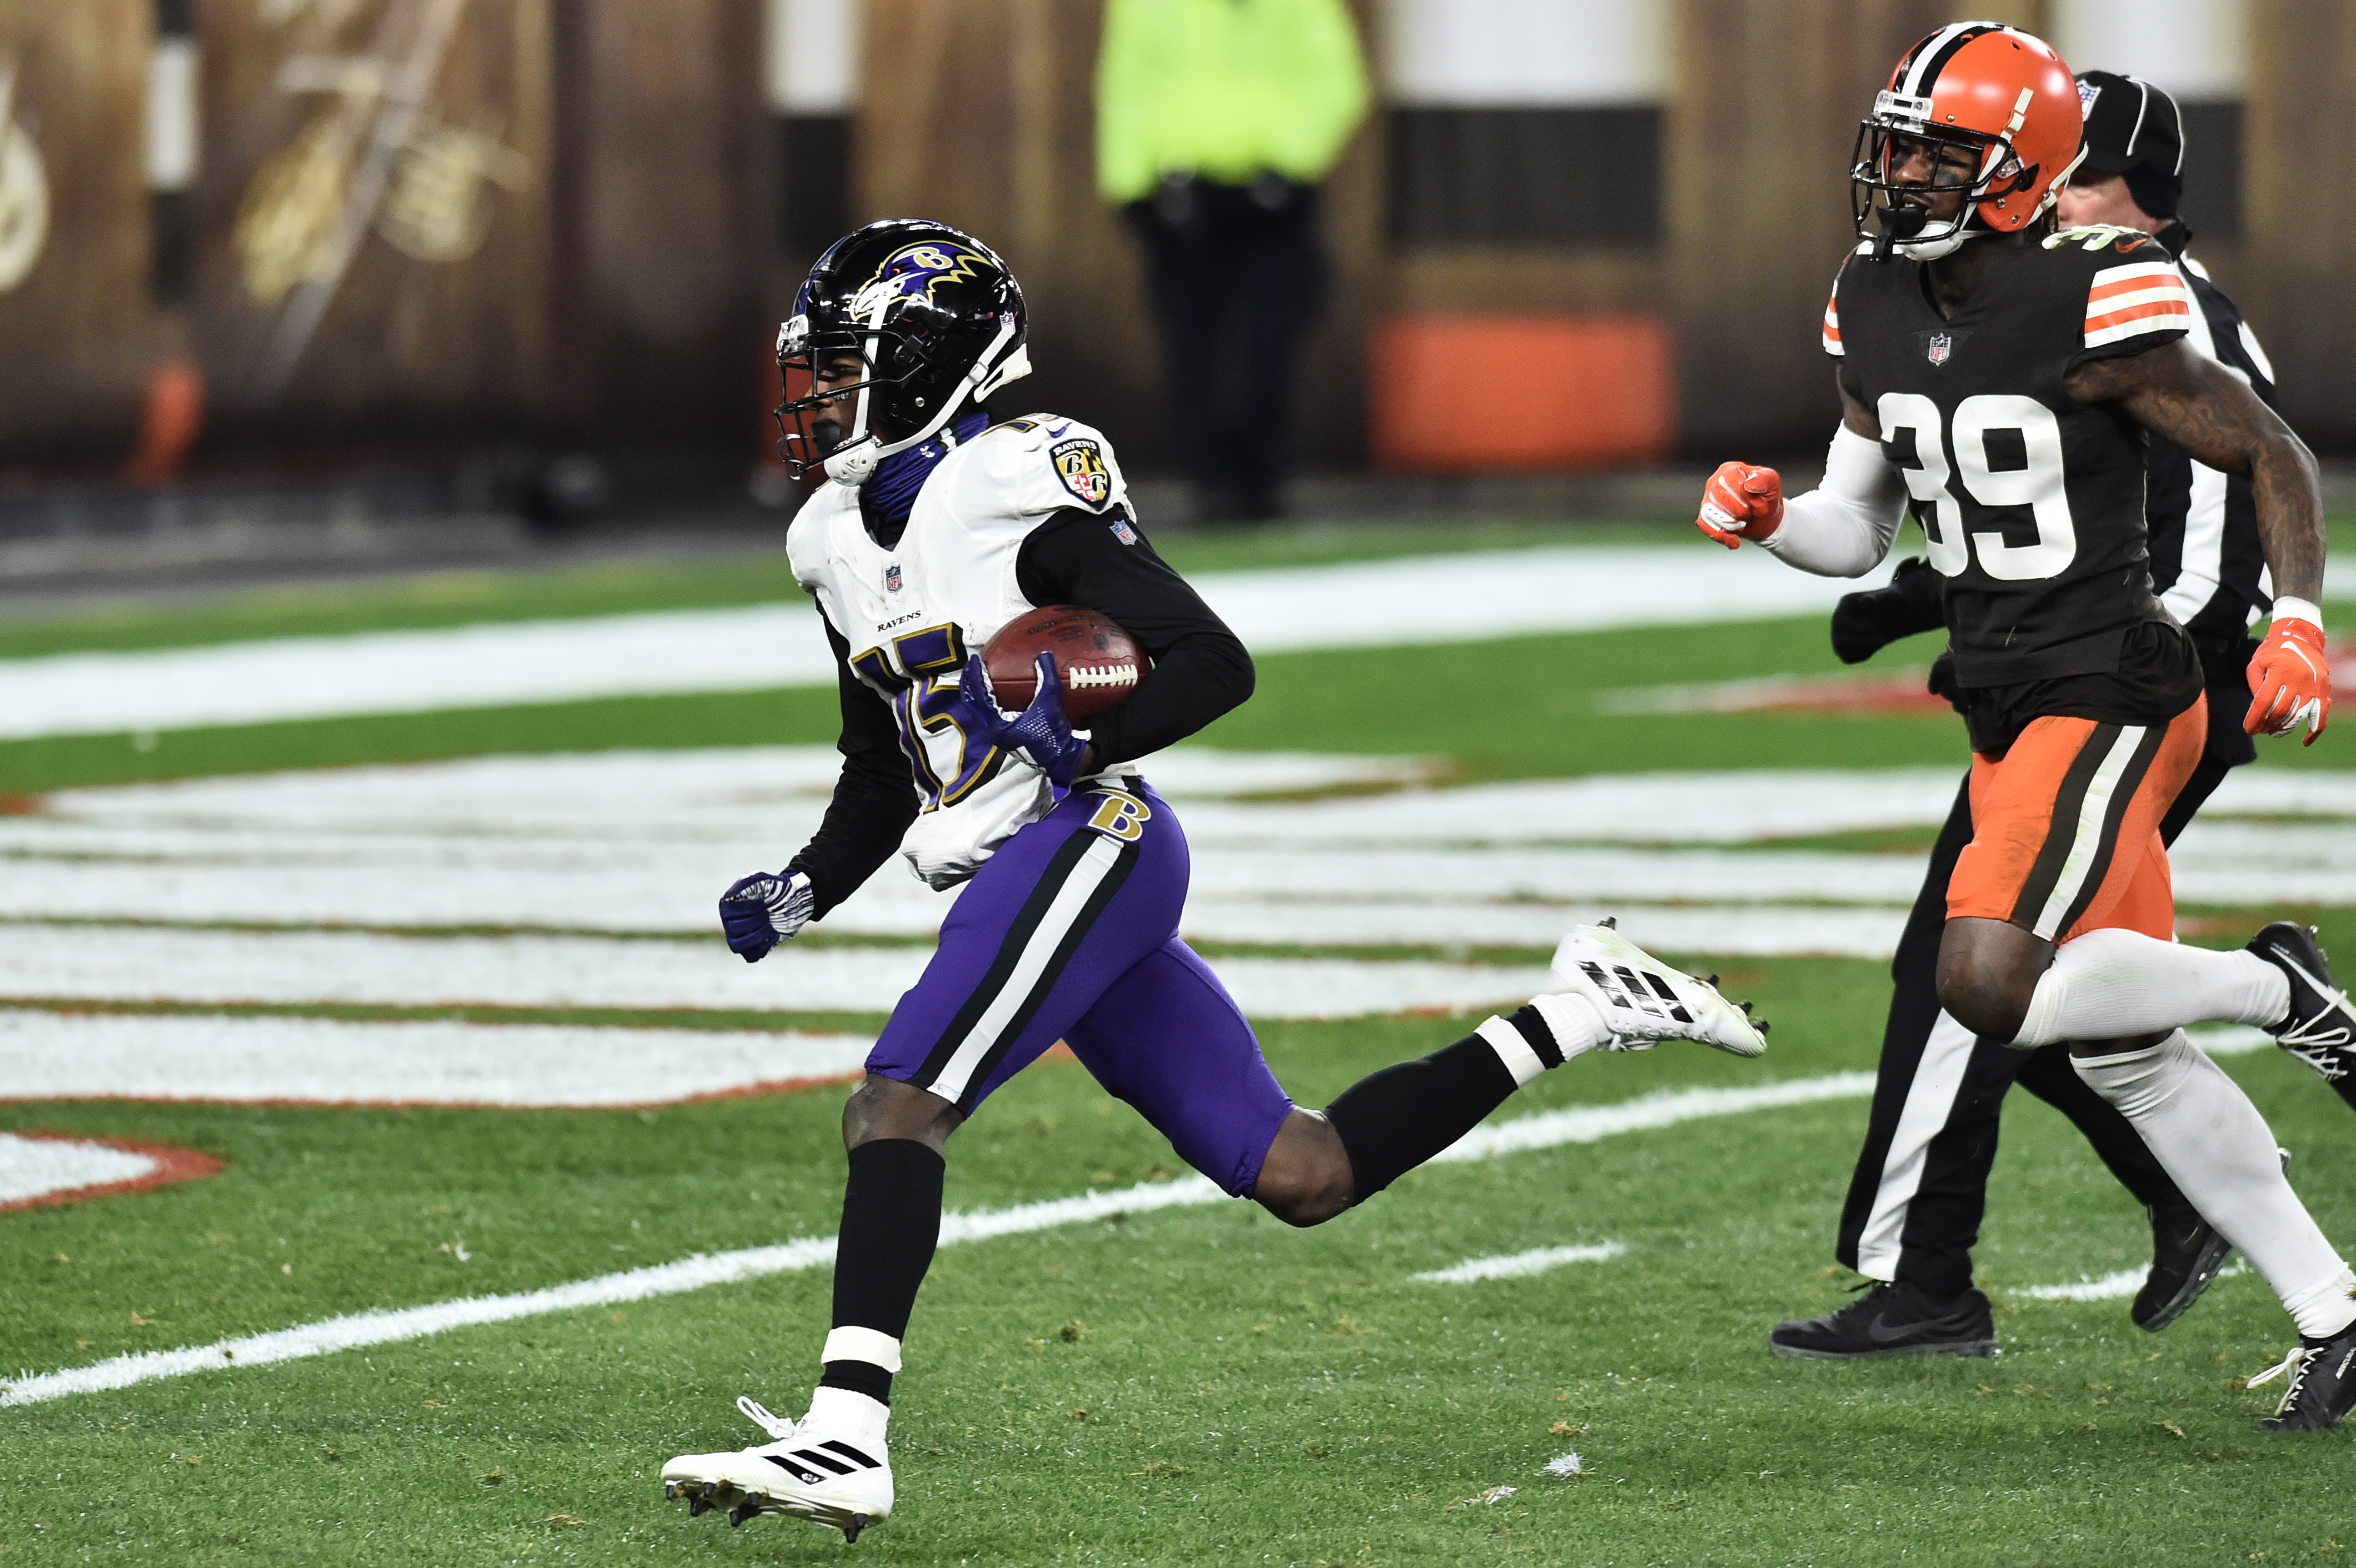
(1865,623)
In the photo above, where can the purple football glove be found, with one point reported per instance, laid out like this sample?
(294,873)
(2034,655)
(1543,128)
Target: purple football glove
(1040,731)
(760,911)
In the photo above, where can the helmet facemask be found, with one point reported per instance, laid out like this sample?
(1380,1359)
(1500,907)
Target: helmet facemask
(904,384)
(1982,171)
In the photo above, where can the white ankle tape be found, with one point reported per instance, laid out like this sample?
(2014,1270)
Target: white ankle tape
(873,1346)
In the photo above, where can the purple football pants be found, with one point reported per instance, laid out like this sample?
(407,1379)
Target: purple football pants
(1070,931)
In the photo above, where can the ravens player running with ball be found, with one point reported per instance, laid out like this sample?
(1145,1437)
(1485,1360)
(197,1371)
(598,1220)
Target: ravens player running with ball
(941,527)
(2002,375)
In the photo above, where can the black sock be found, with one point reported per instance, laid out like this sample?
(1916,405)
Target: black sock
(891,1223)
(1394,1120)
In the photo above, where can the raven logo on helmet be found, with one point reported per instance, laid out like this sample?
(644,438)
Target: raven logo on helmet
(1978,118)
(914,272)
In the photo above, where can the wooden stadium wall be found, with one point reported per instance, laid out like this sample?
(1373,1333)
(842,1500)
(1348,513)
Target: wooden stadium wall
(416,224)
(2296,275)
(1759,202)
(626,276)
(355,279)
(76,336)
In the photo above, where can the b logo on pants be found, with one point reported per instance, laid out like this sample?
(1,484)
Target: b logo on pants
(1122,816)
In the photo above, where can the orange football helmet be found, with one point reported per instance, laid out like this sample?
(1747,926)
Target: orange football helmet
(1999,117)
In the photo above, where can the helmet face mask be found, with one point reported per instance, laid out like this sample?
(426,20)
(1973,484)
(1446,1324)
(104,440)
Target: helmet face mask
(813,427)
(1965,168)
(1975,135)
(932,318)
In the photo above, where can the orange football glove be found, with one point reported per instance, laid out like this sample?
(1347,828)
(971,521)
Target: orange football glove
(1742,503)
(2291,680)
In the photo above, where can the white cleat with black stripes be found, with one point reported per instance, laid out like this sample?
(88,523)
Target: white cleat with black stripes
(1644,1001)
(801,1470)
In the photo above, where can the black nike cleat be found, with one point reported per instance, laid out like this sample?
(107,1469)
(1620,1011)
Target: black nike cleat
(1891,1321)
(2187,1251)
(2322,1384)
(2320,1028)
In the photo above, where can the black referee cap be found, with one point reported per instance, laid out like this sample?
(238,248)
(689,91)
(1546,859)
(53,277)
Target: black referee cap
(2135,129)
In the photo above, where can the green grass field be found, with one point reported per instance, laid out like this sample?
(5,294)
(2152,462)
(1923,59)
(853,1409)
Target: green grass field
(1198,1385)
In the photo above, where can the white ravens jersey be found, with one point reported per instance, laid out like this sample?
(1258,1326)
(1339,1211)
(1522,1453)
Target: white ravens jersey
(913,612)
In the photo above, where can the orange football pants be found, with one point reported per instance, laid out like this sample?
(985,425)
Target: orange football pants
(2065,826)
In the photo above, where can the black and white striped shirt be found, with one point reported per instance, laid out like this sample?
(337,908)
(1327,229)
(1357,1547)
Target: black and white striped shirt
(2205,559)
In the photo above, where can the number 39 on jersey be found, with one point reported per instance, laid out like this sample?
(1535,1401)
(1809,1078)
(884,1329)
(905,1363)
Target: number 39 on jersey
(2003,452)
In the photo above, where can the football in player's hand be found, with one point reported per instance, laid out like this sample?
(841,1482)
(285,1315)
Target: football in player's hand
(1098,663)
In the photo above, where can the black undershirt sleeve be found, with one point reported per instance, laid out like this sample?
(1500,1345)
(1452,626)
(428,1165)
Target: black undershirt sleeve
(1200,668)
(874,797)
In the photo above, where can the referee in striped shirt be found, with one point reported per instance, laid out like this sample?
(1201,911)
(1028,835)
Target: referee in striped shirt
(1914,1205)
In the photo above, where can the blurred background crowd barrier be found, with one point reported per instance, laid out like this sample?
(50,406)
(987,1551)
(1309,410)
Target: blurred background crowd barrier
(524,256)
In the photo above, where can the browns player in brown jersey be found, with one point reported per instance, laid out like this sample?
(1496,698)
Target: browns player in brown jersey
(1996,378)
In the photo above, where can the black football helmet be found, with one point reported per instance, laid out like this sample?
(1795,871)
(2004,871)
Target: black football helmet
(933,315)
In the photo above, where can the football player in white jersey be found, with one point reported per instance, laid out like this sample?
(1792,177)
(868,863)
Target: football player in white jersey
(943,525)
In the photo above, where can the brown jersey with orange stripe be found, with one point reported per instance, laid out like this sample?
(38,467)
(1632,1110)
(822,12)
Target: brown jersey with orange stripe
(2031,502)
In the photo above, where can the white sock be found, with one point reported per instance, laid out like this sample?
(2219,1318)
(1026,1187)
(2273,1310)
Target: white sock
(1571,1020)
(2114,985)
(2205,1132)
(853,1417)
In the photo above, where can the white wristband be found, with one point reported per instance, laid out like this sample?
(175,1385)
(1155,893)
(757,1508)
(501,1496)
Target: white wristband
(2290,609)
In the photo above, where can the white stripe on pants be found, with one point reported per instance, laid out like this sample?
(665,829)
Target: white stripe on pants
(1930,1100)
(1079,886)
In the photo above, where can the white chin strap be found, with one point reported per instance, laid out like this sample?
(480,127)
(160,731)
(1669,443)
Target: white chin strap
(855,461)
(1945,245)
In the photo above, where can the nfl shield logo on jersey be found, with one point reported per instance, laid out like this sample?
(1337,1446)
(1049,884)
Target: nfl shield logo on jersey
(1080,464)
(892,578)
(1942,344)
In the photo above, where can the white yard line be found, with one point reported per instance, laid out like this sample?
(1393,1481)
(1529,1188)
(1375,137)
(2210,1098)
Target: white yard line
(1518,1265)
(774,794)
(36,1168)
(1422,600)
(335,1061)
(700,791)
(1585,1124)
(99,962)
(487,665)
(2110,1287)
(2116,1286)
(624,883)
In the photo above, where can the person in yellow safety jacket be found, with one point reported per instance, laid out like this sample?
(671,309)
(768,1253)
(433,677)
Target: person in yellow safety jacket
(1215,121)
